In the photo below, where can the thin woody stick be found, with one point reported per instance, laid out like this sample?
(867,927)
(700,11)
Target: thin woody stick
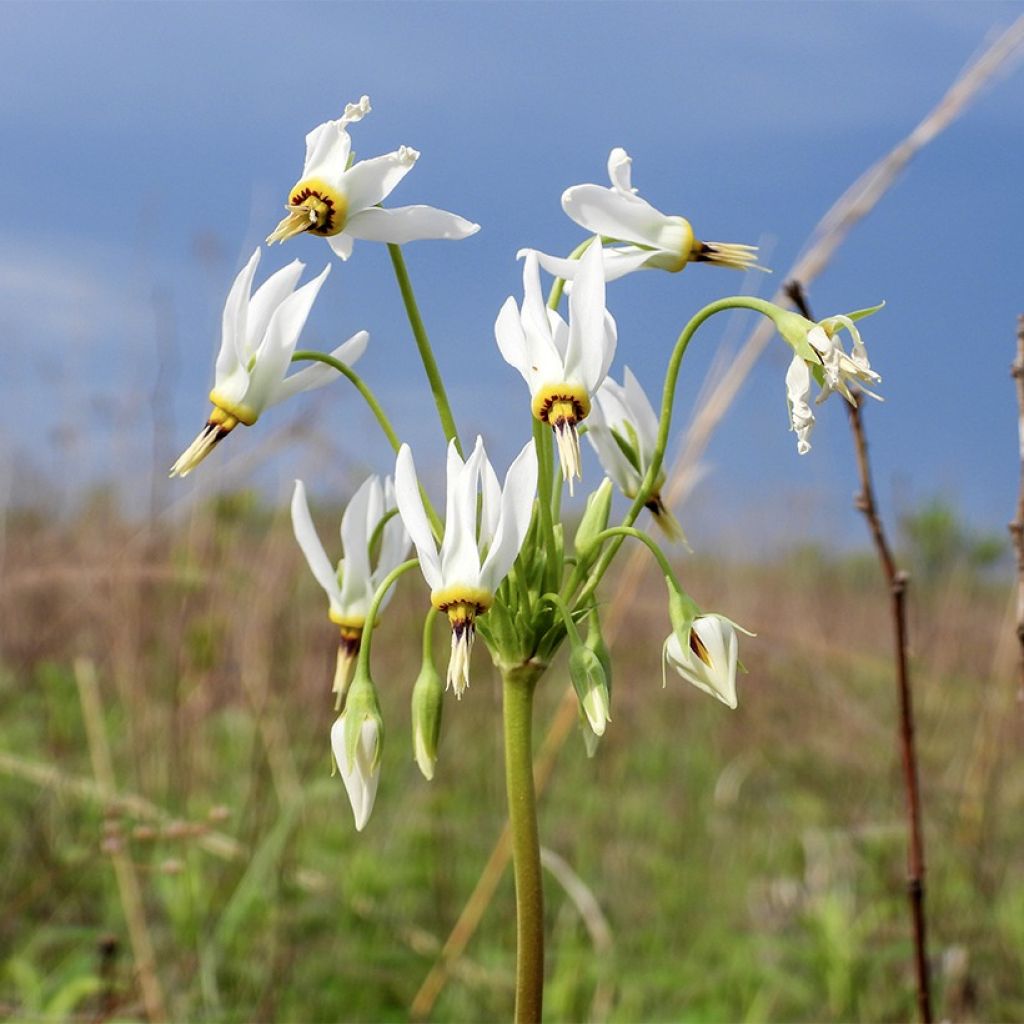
(831,231)
(1017,526)
(897,580)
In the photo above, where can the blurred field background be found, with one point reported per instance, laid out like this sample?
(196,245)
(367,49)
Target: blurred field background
(742,865)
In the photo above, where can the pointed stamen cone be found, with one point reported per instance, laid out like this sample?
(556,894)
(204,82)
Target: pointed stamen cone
(727,254)
(208,438)
(463,635)
(299,219)
(348,653)
(568,444)
(666,521)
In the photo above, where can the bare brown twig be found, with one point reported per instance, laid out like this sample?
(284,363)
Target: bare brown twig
(897,580)
(1017,526)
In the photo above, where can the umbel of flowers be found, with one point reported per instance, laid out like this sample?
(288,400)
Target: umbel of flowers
(501,562)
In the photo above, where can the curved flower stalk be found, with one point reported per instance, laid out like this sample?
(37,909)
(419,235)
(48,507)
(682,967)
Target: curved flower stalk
(623,430)
(477,552)
(709,658)
(373,543)
(654,239)
(341,203)
(819,355)
(563,364)
(258,338)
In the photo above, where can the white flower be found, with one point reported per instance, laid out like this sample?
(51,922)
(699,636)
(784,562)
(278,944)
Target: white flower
(258,338)
(361,773)
(821,354)
(623,430)
(350,587)
(340,202)
(654,239)
(475,555)
(709,660)
(562,364)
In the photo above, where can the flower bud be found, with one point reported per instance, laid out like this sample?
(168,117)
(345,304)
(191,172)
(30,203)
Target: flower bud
(427,704)
(357,738)
(591,687)
(595,519)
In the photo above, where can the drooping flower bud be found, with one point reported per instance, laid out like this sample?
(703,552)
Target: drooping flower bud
(595,519)
(357,738)
(588,680)
(427,705)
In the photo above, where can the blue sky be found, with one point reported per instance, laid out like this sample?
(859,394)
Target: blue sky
(148,149)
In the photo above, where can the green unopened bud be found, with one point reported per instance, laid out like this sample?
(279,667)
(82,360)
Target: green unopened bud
(357,739)
(427,704)
(595,641)
(595,519)
(588,679)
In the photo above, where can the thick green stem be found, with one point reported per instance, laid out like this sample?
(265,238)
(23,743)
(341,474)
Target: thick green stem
(519,684)
(444,410)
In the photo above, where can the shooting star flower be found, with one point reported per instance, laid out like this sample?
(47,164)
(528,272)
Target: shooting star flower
(563,365)
(475,554)
(258,338)
(653,239)
(373,542)
(341,203)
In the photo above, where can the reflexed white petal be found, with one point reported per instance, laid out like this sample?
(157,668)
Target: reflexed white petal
(309,542)
(275,351)
(609,454)
(356,589)
(327,149)
(233,353)
(516,511)
(362,775)
(316,375)
(395,542)
(414,517)
(616,262)
(408,224)
(508,332)
(341,245)
(460,556)
(535,310)
(370,181)
(798,390)
(620,165)
(490,505)
(590,348)
(268,297)
(604,211)
(642,414)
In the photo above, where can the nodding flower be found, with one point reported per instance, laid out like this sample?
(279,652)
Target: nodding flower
(563,364)
(342,203)
(477,550)
(708,655)
(653,239)
(373,542)
(259,335)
